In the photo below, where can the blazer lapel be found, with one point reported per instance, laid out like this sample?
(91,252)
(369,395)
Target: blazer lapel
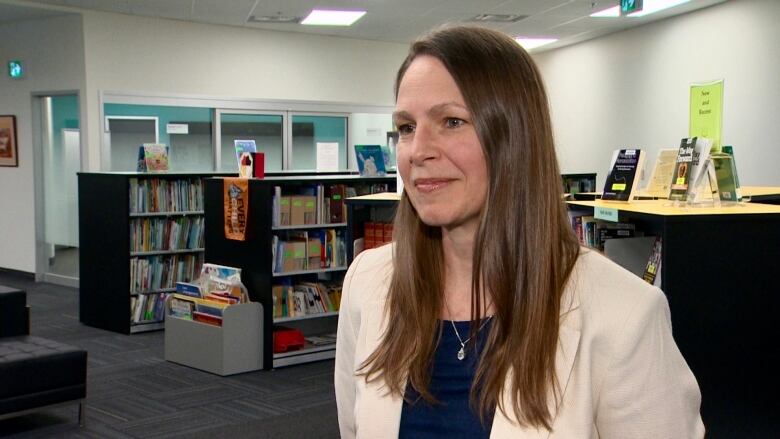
(378,412)
(568,343)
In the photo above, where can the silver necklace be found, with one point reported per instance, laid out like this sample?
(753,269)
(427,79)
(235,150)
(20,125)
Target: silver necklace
(462,351)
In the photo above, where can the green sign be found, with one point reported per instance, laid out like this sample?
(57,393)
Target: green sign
(630,6)
(606,214)
(15,69)
(706,112)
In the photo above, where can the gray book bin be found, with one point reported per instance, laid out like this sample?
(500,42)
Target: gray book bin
(235,347)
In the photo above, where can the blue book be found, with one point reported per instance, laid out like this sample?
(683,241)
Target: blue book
(370,160)
(188,289)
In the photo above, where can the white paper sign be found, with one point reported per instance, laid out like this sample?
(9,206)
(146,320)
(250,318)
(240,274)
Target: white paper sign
(177,128)
(327,156)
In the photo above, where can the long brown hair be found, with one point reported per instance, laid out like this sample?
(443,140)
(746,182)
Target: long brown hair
(524,250)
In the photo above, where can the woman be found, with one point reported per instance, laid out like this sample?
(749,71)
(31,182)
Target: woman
(485,318)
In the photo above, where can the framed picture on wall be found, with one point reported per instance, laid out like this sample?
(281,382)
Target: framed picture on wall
(8,150)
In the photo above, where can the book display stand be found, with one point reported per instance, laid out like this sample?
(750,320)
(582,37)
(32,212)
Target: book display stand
(717,271)
(235,347)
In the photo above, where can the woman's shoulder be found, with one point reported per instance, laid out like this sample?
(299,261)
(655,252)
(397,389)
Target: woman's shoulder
(378,258)
(369,273)
(607,292)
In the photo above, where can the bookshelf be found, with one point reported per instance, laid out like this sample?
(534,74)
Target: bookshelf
(255,256)
(109,244)
(368,208)
(718,273)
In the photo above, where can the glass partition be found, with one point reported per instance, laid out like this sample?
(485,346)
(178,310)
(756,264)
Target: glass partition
(371,129)
(186,130)
(264,128)
(308,130)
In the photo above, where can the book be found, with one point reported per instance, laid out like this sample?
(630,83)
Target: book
(624,175)
(153,157)
(728,149)
(189,289)
(370,159)
(692,157)
(244,146)
(659,184)
(726,174)
(653,267)
(181,308)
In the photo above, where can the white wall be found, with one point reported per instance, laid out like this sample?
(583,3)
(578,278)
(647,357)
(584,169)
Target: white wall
(632,88)
(157,56)
(53,53)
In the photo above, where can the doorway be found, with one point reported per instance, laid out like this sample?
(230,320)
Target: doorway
(60,161)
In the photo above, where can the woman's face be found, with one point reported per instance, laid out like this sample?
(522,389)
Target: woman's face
(439,156)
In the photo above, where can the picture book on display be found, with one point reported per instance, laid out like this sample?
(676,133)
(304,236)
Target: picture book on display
(692,157)
(370,160)
(244,156)
(624,175)
(153,157)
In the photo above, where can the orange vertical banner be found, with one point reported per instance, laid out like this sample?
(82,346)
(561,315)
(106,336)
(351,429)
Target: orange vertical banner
(236,198)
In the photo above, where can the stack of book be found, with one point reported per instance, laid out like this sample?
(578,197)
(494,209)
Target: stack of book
(305,298)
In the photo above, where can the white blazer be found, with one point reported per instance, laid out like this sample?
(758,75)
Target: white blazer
(619,368)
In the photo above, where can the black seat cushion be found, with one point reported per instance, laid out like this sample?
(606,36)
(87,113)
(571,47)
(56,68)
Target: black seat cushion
(35,371)
(13,312)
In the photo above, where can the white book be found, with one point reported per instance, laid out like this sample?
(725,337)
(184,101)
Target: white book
(659,184)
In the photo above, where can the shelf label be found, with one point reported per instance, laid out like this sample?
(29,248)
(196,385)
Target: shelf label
(605,213)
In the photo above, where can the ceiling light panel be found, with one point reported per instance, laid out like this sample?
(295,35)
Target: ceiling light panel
(529,43)
(653,6)
(319,17)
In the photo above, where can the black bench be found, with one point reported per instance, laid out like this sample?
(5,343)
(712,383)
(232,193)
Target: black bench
(35,373)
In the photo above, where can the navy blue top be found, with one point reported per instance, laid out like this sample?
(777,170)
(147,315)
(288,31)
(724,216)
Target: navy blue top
(451,381)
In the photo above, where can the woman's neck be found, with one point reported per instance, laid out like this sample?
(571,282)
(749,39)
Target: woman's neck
(458,251)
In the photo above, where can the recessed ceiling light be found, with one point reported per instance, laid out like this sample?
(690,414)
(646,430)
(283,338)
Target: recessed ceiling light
(497,18)
(532,43)
(273,19)
(609,12)
(320,17)
(651,6)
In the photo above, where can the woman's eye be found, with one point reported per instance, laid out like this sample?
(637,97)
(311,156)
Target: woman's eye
(453,122)
(405,129)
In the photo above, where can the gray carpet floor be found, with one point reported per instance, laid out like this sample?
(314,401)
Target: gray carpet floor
(132,392)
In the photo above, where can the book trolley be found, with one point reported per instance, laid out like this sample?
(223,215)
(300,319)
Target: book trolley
(718,273)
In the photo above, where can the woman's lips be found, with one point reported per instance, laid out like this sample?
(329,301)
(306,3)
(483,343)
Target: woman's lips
(428,185)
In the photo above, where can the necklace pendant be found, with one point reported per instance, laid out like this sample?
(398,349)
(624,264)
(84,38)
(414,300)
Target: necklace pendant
(461,354)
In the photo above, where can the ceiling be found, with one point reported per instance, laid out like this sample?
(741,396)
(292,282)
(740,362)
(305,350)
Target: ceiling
(387,20)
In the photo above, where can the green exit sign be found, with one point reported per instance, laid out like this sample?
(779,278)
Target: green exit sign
(15,69)
(630,6)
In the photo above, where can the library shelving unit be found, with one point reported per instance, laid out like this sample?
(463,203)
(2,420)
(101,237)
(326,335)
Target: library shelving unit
(254,256)
(107,215)
(718,273)
(361,209)
(576,183)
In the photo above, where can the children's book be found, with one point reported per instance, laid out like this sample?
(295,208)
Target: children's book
(243,146)
(370,159)
(153,157)
(624,175)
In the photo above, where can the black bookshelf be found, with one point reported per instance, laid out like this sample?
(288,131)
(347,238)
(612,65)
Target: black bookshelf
(360,210)
(104,247)
(717,272)
(254,254)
